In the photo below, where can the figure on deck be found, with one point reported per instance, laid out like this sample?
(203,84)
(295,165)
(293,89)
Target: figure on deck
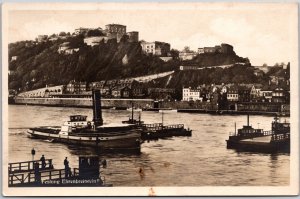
(66,163)
(43,160)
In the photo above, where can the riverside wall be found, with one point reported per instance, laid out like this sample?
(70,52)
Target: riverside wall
(181,106)
(188,105)
(85,102)
(234,107)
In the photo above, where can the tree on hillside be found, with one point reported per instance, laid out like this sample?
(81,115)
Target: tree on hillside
(52,36)
(94,33)
(174,53)
(186,49)
(62,34)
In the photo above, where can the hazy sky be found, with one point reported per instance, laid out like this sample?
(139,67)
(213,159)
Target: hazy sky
(264,33)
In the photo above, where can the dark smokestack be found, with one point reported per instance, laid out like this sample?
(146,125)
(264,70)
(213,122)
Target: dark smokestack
(97,109)
(248,120)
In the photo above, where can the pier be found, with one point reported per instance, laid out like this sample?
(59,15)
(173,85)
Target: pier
(28,174)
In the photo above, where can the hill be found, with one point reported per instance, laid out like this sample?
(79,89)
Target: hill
(40,64)
(216,59)
(193,78)
(37,64)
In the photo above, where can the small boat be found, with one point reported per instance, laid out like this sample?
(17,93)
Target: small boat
(35,174)
(79,131)
(257,140)
(51,140)
(168,111)
(158,131)
(135,109)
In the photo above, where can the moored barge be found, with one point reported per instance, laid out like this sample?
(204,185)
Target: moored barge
(257,140)
(156,131)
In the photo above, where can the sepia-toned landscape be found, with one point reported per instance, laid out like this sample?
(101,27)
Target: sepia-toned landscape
(153,99)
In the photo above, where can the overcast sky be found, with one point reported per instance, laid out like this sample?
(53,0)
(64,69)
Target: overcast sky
(264,33)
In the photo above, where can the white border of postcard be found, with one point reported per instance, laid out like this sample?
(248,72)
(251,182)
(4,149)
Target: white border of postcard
(292,189)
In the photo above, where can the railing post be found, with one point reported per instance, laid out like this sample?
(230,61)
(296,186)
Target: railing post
(50,163)
(28,165)
(22,180)
(20,166)
(50,175)
(12,179)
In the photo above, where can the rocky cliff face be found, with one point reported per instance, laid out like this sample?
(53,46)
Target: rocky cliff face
(40,64)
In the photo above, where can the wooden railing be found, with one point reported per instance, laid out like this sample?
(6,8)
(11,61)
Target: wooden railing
(266,133)
(28,166)
(160,127)
(277,137)
(153,125)
(44,176)
(255,132)
(53,174)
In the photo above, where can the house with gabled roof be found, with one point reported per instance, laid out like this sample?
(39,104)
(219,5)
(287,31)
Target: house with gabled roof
(244,91)
(279,95)
(233,93)
(191,94)
(266,92)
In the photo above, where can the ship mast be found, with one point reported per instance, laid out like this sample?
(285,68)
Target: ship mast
(162,117)
(247,119)
(235,128)
(132,111)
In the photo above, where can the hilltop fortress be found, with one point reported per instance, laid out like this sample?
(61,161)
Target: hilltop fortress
(93,37)
(112,31)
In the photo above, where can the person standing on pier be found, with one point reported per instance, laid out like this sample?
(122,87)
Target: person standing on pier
(37,174)
(32,153)
(43,161)
(66,163)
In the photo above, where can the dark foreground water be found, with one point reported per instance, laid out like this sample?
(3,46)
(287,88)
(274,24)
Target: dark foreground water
(200,160)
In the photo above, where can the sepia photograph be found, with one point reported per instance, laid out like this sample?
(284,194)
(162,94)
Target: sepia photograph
(150,99)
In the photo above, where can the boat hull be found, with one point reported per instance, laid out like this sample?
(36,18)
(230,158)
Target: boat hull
(124,141)
(265,147)
(165,133)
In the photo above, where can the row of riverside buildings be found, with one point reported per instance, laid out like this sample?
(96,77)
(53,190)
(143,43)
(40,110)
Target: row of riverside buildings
(129,88)
(122,88)
(238,97)
(236,93)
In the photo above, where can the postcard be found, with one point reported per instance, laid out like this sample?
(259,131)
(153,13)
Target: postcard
(150,99)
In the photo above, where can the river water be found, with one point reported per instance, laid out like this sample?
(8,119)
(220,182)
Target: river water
(200,160)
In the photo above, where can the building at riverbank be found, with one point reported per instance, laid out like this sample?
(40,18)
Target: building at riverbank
(42,92)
